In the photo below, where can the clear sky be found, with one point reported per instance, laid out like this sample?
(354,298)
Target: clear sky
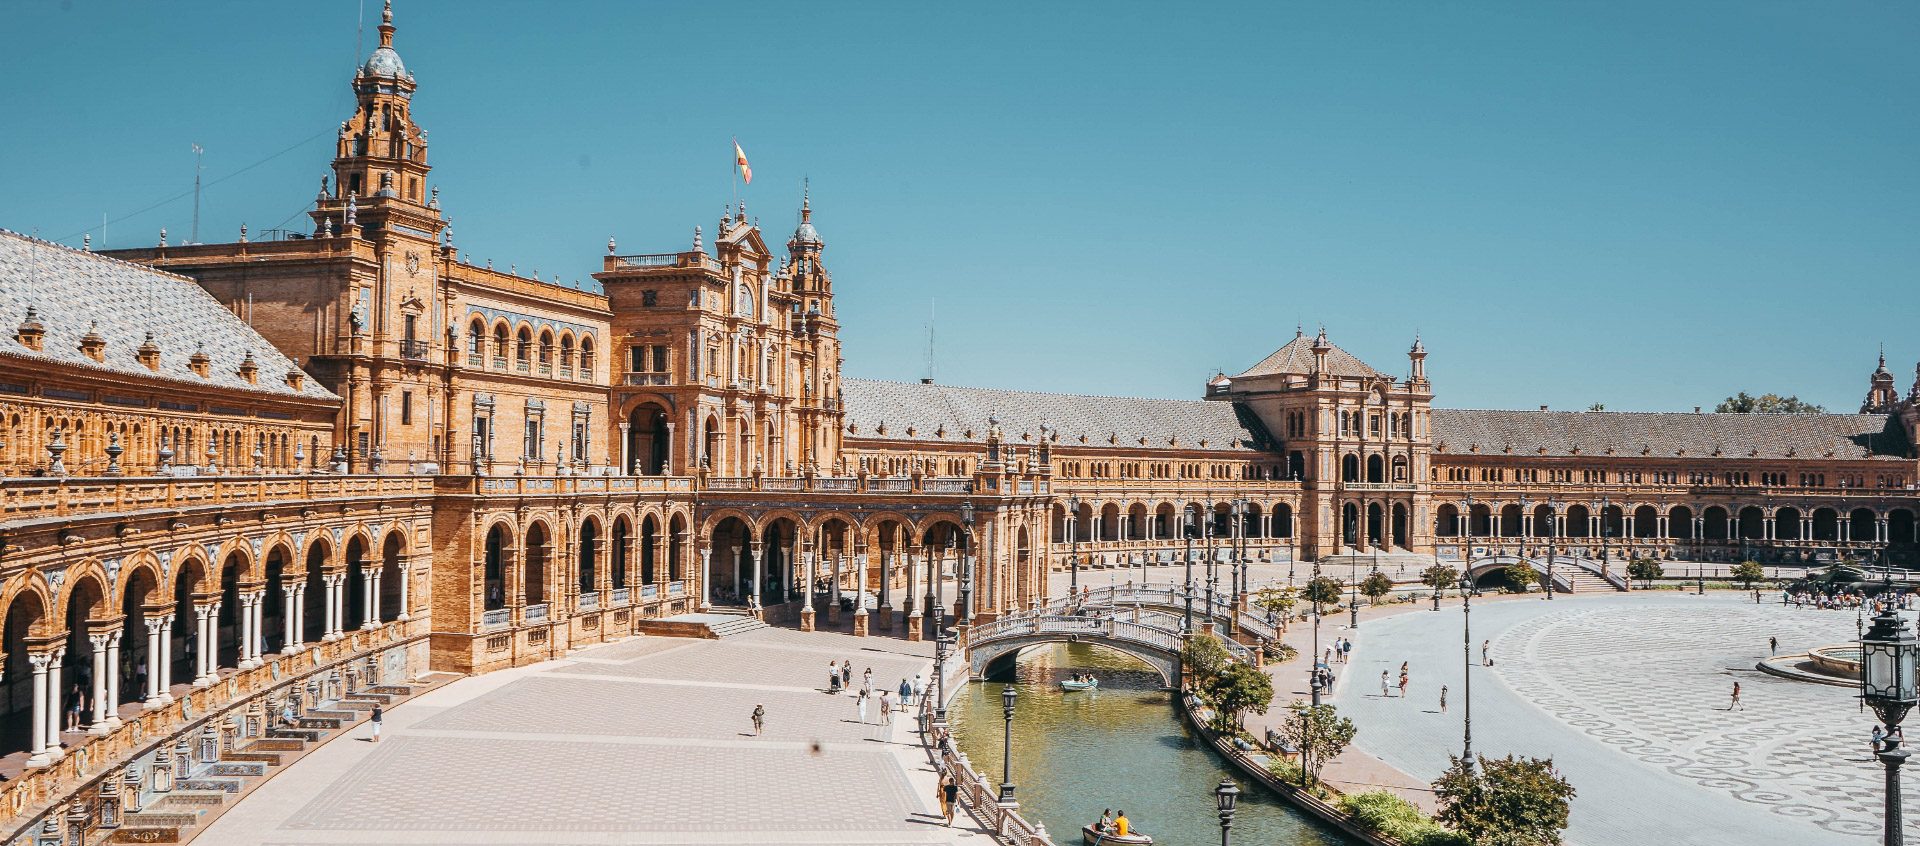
(1650,205)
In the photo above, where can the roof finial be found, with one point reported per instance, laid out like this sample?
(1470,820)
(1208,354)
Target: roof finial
(610,246)
(1299,331)
(86,243)
(696,241)
(353,208)
(806,199)
(386,25)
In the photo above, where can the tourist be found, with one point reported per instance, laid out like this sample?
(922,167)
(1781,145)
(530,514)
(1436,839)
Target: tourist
(1346,650)
(1385,688)
(906,692)
(866,680)
(1105,825)
(286,712)
(1484,660)
(1773,646)
(1443,699)
(949,793)
(886,709)
(860,705)
(1403,681)
(1879,738)
(375,719)
(76,705)
(759,720)
(1121,826)
(919,688)
(846,673)
(833,677)
(1735,704)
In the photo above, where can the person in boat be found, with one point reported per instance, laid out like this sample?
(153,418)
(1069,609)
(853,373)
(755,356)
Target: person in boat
(1121,827)
(1105,825)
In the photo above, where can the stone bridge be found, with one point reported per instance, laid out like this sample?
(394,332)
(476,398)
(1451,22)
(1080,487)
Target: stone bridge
(1571,573)
(992,647)
(1117,599)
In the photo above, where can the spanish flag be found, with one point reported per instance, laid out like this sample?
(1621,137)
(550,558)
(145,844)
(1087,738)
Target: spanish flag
(740,161)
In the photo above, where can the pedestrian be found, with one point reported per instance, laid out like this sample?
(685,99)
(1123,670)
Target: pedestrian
(886,709)
(1879,738)
(1385,690)
(1773,646)
(866,679)
(919,689)
(949,793)
(1443,699)
(1735,704)
(76,703)
(1346,650)
(906,692)
(1403,684)
(286,712)
(833,677)
(860,704)
(759,720)
(378,715)
(1484,660)
(1327,657)
(846,673)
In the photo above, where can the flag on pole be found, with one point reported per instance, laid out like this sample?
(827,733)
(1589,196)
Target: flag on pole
(740,161)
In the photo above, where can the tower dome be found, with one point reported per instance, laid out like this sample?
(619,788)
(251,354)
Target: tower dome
(385,61)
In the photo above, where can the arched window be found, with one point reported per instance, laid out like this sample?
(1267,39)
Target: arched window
(566,352)
(476,338)
(546,350)
(500,345)
(523,351)
(586,357)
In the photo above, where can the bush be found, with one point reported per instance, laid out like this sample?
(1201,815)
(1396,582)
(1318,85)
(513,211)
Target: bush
(1385,813)
(1290,773)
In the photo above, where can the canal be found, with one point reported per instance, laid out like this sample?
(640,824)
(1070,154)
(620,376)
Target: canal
(1122,747)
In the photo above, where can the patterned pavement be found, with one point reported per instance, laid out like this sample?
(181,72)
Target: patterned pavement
(645,741)
(1630,696)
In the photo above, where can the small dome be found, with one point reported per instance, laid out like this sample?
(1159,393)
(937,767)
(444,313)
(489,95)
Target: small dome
(385,62)
(806,234)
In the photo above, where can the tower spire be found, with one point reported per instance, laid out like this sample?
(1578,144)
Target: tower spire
(386,26)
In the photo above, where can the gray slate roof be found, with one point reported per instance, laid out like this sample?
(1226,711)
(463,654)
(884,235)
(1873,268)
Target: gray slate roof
(927,408)
(1667,434)
(72,290)
(1296,358)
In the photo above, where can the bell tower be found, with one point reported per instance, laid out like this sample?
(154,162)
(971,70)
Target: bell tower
(380,158)
(1881,395)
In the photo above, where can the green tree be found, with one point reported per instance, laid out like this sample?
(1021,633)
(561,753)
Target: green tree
(1376,585)
(1521,575)
(1280,600)
(1645,569)
(1439,577)
(1505,802)
(1749,572)
(1203,656)
(1318,732)
(1233,691)
(1744,403)
(1323,590)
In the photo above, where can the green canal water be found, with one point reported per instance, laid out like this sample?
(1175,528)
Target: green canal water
(1122,747)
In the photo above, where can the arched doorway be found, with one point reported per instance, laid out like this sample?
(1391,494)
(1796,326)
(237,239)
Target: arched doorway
(273,603)
(676,538)
(25,622)
(134,600)
(188,587)
(731,574)
(85,616)
(495,569)
(227,630)
(622,541)
(533,577)
(587,557)
(649,443)
(356,604)
(313,597)
(393,596)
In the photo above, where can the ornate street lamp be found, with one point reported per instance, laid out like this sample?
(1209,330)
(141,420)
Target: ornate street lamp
(1466,639)
(1224,797)
(1007,696)
(1314,660)
(966,567)
(942,647)
(1073,558)
(1553,514)
(1888,653)
(1213,571)
(1240,558)
(1186,622)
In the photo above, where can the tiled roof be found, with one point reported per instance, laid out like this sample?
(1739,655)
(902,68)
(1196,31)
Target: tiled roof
(1165,424)
(1668,434)
(73,291)
(1296,358)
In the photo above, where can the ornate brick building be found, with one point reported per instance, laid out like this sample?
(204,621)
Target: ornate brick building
(350,450)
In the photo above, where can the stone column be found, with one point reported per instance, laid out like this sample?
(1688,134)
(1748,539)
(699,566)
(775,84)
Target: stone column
(156,657)
(706,583)
(164,687)
(333,613)
(405,564)
(99,725)
(759,547)
(113,678)
(203,645)
(50,715)
(291,619)
(626,458)
(806,592)
(37,743)
(860,621)
(370,597)
(245,652)
(915,613)
(833,585)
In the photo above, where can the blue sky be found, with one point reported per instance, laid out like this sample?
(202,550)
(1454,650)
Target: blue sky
(1650,205)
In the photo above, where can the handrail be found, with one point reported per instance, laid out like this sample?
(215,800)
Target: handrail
(68,496)
(978,795)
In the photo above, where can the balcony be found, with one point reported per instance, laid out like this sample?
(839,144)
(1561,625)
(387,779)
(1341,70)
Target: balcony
(621,596)
(498,618)
(587,602)
(649,592)
(1387,487)
(534,614)
(415,350)
(646,379)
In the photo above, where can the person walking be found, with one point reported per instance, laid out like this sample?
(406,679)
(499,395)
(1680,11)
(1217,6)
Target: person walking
(906,692)
(1443,699)
(919,688)
(1346,650)
(759,719)
(866,679)
(886,709)
(846,673)
(860,705)
(377,716)
(1385,690)
(1484,660)
(1403,683)
(1773,646)
(833,677)
(949,794)
(1879,739)
(1735,704)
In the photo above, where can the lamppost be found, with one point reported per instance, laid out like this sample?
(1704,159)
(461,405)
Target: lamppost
(966,566)
(1186,621)
(1887,684)
(1213,570)
(1073,558)
(1353,591)
(1606,532)
(1224,797)
(1553,513)
(942,647)
(1007,696)
(1314,660)
(1237,547)
(1466,641)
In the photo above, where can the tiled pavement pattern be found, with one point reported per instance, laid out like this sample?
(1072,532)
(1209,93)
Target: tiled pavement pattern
(1628,695)
(598,749)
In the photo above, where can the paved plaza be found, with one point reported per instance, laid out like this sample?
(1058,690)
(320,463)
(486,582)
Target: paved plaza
(644,741)
(1630,696)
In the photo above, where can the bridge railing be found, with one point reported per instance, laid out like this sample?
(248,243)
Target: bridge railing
(1167,597)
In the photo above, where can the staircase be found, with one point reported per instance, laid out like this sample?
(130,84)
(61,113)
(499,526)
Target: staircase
(205,789)
(1585,582)
(712,625)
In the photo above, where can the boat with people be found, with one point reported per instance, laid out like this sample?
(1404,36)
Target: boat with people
(1081,682)
(1093,835)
